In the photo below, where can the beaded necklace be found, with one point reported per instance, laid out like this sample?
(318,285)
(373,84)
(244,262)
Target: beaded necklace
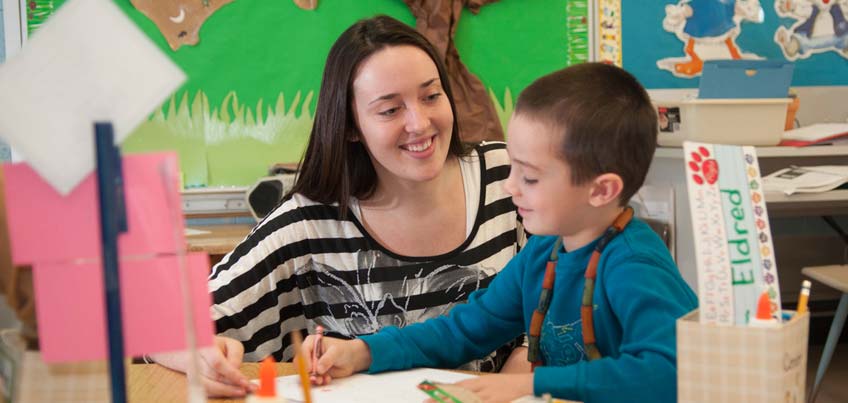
(534,354)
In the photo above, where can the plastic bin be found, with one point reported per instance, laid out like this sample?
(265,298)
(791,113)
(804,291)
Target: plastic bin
(752,122)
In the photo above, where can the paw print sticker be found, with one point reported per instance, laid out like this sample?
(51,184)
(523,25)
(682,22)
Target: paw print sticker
(705,168)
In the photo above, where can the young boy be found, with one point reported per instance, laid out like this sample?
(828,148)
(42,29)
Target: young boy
(601,320)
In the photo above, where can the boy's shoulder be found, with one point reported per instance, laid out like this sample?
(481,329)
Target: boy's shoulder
(639,243)
(637,261)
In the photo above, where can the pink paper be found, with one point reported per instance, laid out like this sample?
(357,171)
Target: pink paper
(71,309)
(47,227)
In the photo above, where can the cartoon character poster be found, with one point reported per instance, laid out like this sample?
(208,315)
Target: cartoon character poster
(708,30)
(686,33)
(820,26)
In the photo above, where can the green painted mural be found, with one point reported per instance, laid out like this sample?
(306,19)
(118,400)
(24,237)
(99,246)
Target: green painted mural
(255,74)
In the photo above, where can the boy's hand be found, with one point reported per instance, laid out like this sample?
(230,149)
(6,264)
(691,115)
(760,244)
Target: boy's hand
(339,358)
(499,388)
(219,367)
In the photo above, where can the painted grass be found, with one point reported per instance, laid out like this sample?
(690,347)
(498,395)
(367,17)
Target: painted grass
(503,109)
(38,11)
(233,144)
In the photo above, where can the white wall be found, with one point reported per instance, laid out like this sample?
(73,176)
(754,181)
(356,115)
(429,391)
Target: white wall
(14,24)
(13,19)
(822,104)
(12,42)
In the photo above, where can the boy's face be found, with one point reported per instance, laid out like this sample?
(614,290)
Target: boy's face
(540,180)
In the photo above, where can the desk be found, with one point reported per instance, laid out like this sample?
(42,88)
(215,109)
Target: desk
(834,202)
(155,383)
(220,239)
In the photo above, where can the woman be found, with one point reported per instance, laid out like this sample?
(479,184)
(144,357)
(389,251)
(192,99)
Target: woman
(391,220)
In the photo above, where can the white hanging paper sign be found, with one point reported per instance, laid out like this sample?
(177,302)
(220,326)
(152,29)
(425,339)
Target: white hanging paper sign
(88,63)
(715,294)
(733,248)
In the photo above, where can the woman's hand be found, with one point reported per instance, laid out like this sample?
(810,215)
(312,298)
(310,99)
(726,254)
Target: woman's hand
(338,358)
(517,362)
(498,388)
(219,367)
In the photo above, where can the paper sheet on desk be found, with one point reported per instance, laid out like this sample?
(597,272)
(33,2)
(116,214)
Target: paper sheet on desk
(400,386)
(88,63)
(806,179)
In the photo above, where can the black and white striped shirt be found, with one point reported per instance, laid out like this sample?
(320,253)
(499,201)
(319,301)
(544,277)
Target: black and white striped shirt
(303,266)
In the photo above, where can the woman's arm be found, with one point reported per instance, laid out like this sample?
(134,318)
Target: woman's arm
(219,367)
(517,362)
(256,288)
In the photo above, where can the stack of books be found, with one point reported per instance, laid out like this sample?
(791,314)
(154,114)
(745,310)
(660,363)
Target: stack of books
(817,134)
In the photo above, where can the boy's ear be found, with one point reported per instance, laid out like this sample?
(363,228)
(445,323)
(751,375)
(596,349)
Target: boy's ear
(605,189)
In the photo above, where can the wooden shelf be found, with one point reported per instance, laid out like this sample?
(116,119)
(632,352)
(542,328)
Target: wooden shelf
(834,202)
(771,152)
(219,239)
(771,159)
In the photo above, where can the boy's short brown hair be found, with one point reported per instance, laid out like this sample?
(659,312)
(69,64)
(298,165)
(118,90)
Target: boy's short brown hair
(606,118)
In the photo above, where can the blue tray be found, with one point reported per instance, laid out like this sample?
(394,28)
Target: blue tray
(745,79)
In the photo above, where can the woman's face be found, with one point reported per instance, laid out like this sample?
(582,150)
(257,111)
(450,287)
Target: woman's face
(403,115)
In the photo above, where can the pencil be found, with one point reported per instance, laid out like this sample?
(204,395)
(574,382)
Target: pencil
(803,298)
(300,364)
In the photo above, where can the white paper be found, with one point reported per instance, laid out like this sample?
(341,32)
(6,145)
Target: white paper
(806,179)
(88,63)
(195,232)
(389,387)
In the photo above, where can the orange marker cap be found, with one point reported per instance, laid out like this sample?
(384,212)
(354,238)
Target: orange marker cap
(764,306)
(267,378)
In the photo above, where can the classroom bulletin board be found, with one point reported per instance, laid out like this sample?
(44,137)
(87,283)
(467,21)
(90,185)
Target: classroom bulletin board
(255,73)
(812,33)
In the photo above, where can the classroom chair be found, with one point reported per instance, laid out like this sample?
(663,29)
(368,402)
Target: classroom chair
(834,277)
(655,206)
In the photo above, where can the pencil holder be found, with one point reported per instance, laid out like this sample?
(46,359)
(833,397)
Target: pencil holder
(740,363)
